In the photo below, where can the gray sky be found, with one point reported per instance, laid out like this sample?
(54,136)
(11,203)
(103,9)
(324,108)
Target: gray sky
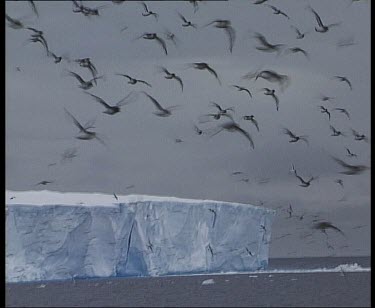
(141,146)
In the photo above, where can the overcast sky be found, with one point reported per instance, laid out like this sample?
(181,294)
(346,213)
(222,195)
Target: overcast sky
(141,147)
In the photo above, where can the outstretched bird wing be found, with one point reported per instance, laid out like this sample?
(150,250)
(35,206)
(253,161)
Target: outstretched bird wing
(246,134)
(231,35)
(180,81)
(319,21)
(145,82)
(155,102)
(214,73)
(76,123)
(79,78)
(99,100)
(162,43)
(127,99)
(288,132)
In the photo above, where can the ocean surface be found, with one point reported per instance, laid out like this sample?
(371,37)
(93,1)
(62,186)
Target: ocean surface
(300,282)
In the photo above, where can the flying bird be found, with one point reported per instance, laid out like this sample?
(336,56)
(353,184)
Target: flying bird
(69,154)
(234,127)
(336,132)
(229,30)
(195,4)
(350,169)
(358,136)
(325,110)
(44,183)
(344,79)
(324,225)
(266,46)
(300,35)
(340,182)
(344,111)
(290,211)
(111,110)
(345,42)
(277,11)
(186,23)
(148,12)
(33,7)
(303,182)
(205,66)
(294,138)
(242,89)
(272,76)
(322,28)
(134,81)
(252,119)
(85,134)
(154,36)
(161,112)
(14,23)
(198,130)
(325,98)
(221,110)
(171,37)
(350,154)
(270,92)
(297,49)
(86,62)
(173,76)
(85,85)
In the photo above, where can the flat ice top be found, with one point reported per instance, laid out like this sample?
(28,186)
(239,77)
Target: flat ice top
(46,197)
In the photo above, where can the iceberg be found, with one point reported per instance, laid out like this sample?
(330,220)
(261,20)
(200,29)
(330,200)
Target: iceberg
(53,236)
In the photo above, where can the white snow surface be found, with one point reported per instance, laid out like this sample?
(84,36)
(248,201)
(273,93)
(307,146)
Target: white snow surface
(53,235)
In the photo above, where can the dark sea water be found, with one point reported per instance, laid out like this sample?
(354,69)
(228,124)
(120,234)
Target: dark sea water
(325,289)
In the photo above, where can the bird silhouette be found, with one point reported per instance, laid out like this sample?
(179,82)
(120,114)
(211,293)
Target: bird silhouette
(148,12)
(173,76)
(231,126)
(154,36)
(322,28)
(350,169)
(358,136)
(205,66)
(270,92)
(161,112)
(350,154)
(229,30)
(266,46)
(222,110)
(303,182)
(324,225)
(344,111)
(276,11)
(243,89)
(294,138)
(272,76)
(344,79)
(297,49)
(85,134)
(300,35)
(336,132)
(325,110)
(186,23)
(252,119)
(85,85)
(134,81)
(111,110)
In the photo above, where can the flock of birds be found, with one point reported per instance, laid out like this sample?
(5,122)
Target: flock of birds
(86,131)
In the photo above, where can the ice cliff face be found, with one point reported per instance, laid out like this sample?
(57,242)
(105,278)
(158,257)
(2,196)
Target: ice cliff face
(132,236)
